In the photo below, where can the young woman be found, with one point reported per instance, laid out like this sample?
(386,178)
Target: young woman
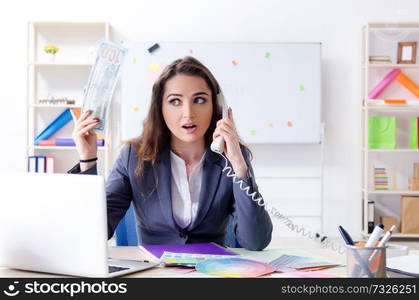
(180,192)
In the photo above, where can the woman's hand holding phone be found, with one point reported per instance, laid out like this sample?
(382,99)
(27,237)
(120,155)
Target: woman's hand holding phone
(226,129)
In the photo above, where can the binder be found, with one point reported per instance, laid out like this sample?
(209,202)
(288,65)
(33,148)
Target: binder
(41,164)
(32,164)
(370,216)
(49,164)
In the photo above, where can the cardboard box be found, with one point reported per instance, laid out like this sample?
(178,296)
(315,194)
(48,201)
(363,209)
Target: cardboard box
(414,184)
(416,170)
(409,214)
(388,221)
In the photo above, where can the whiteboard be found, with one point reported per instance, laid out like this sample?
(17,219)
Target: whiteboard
(274,89)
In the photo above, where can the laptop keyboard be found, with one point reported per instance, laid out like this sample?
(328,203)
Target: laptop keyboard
(113,269)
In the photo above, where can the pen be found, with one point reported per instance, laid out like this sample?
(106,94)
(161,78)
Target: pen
(374,237)
(383,242)
(347,238)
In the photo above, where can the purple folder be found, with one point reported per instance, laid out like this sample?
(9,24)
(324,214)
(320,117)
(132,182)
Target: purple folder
(70,142)
(198,248)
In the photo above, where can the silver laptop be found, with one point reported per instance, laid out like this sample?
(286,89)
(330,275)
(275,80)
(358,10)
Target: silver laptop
(56,223)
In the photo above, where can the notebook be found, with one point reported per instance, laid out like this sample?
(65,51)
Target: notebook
(407,265)
(154,252)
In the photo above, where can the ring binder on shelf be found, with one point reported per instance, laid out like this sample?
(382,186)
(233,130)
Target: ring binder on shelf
(370,216)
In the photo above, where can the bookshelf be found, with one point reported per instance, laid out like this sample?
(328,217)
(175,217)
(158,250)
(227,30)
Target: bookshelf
(381,39)
(63,78)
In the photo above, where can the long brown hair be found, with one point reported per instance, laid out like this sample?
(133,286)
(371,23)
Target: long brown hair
(156,135)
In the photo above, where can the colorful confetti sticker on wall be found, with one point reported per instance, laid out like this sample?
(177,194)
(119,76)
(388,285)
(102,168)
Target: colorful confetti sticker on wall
(234,62)
(190,51)
(267,54)
(154,70)
(289,124)
(154,67)
(134,60)
(252,131)
(301,87)
(270,125)
(136,108)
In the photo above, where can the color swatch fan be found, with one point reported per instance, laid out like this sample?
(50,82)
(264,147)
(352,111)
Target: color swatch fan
(234,267)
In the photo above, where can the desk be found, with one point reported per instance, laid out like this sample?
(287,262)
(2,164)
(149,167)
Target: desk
(290,246)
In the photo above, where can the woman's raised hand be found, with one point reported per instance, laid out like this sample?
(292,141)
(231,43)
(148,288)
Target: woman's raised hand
(85,139)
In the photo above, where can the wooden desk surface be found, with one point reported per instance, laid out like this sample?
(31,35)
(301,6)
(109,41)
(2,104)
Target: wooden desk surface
(289,246)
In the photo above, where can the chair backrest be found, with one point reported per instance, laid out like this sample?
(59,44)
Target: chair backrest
(230,239)
(126,231)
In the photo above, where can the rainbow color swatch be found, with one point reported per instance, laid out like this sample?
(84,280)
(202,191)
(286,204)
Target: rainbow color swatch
(186,259)
(234,267)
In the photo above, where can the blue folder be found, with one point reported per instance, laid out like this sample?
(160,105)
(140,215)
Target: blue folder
(55,125)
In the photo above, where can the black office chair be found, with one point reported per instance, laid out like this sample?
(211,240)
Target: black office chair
(230,239)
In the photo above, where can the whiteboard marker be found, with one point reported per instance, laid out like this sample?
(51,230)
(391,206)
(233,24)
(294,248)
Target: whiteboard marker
(375,235)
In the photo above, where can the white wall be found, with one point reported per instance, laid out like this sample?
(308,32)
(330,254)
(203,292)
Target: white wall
(337,24)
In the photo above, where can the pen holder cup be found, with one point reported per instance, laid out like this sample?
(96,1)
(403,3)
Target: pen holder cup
(365,262)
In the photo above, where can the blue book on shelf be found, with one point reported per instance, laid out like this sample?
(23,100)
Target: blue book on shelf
(55,125)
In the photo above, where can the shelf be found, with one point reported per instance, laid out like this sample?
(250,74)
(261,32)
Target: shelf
(398,66)
(398,235)
(381,105)
(405,108)
(64,77)
(393,192)
(391,150)
(54,106)
(68,64)
(69,24)
(392,25)
(405,235)
(380,39)
(59,147)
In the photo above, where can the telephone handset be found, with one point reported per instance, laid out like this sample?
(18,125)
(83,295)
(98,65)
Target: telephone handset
(218,144)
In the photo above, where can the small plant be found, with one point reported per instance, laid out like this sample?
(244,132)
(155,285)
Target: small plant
(52,49)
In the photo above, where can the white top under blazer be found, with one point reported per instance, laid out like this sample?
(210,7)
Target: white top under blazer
(185,193)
